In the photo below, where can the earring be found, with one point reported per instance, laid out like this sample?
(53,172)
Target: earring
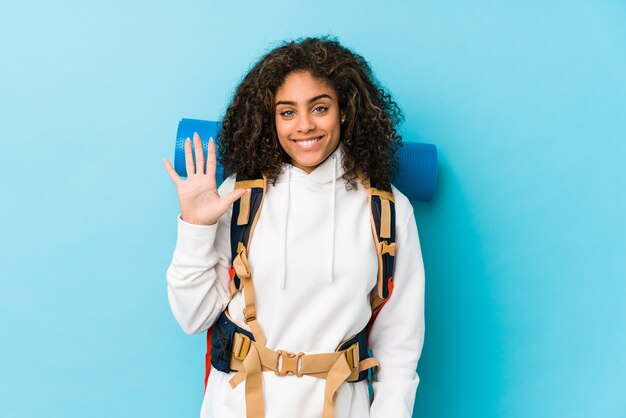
(343,120)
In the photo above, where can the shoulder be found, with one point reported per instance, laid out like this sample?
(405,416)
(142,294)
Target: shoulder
(404,208)
(407,234)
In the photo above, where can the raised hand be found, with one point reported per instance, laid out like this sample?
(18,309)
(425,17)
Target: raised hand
(200,203)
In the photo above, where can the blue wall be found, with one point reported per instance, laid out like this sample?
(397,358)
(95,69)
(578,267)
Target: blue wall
(524,244)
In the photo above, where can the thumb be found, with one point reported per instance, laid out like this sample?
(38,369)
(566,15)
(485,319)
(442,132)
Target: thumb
(231,197)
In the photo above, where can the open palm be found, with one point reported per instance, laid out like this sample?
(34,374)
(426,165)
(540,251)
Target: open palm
(200,203)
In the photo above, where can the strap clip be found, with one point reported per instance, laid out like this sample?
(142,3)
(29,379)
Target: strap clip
(384,248)
(352,356)
(289,364)
(241,346)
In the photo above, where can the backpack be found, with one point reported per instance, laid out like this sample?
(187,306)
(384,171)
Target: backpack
(232,348)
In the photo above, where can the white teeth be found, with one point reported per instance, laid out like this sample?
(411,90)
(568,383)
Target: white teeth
(308,142)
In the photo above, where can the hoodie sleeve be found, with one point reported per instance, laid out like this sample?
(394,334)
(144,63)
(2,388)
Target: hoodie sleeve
(198,278)
(397,335)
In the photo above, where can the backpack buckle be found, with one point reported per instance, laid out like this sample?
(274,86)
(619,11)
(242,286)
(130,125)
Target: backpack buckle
(384,248)
(288,364)
(241,346)
(352,356)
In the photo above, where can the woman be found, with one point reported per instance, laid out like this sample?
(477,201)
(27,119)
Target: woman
(312,120)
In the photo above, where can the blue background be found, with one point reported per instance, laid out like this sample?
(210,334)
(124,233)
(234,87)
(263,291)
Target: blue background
(523,245)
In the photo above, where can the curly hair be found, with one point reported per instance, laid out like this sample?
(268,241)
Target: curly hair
(248,142)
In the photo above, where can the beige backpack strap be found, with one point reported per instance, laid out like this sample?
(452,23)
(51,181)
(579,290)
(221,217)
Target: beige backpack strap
(385,213)
(240,262)
(244,211)
(338,374)
(251,370)
(249,312)
(250,357)
(382,220)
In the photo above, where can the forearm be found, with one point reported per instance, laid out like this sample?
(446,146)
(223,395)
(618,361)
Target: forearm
(196,282)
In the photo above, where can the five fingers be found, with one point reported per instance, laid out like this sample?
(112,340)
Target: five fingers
(211,166)
(199,166)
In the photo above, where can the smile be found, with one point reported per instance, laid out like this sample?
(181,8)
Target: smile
(307,143)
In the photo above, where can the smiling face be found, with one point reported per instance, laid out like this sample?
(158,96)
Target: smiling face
(307,119)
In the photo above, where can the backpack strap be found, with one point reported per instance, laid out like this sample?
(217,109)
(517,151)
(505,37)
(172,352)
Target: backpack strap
(347,363)
(246,211)
(383,221)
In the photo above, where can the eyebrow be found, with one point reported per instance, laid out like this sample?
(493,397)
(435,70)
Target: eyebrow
(286,102)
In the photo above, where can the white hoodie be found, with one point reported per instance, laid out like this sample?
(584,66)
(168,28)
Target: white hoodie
(314,264)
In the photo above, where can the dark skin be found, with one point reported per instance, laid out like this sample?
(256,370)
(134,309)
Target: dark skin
(249,141)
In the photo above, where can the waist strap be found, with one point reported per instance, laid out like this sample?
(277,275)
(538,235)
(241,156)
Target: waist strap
(285,363)
(249,359)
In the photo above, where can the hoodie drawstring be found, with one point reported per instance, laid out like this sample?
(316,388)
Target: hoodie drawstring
(332,220)
(284,277)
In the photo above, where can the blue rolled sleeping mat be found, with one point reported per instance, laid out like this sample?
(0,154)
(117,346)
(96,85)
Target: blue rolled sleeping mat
(417,171)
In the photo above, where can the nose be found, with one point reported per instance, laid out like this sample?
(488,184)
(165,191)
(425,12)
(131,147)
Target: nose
(305,122)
